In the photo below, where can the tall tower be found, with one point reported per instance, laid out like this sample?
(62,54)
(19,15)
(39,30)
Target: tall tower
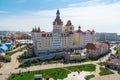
(57,23)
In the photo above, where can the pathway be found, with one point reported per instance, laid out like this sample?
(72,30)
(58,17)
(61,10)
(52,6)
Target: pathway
(11,67)
(108,77)
(97,70)
(17,48)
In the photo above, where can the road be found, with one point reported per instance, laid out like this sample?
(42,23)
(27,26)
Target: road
(11,67)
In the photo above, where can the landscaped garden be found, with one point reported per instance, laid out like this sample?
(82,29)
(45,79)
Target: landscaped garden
(54,73)
(105,71)
(25,55)
(13,52)
(7,58)
(53,61)
(118,51)
(59,73)
(87,67)
(39,62)
(89,77)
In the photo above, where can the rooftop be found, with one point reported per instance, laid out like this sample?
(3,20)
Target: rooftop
(5,46)
(115,62)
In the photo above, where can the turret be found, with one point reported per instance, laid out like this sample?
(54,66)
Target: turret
(79,27)
(58,13)
(57,23)
(35,30)
(57,20)
(68,23)
(38,29)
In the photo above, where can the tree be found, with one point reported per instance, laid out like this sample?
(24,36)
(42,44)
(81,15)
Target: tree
(1,64)
(7,58)
(28,63)
(117,52)
(119,70)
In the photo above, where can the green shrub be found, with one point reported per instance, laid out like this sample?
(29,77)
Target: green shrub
(105,71)
(89,77)
(13,52)
(118,51)
(102,63)
(7,58)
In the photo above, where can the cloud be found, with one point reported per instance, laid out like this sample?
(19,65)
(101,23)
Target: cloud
(93,3)
(103,18)
(44,13)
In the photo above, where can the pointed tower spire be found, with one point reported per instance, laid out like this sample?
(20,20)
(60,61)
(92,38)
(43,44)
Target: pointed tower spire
(58,13)
(33,30)
(39,29)
(79,27)
(57,20)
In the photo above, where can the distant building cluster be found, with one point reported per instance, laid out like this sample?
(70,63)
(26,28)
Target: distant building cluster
(61,37)
(15,35)
(112,37)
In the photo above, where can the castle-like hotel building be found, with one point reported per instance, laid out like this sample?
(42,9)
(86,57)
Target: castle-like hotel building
(61,37)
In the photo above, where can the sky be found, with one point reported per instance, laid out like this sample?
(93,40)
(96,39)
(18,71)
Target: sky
(23,15)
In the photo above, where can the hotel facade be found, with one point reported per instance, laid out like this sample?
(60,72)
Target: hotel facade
(62,36)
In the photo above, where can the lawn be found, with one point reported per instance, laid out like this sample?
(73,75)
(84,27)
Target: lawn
(86,67)
(53,73)
(89,77)
(118,51)
(105,71)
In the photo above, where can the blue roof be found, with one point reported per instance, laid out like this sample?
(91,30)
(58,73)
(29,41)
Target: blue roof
(9,45)
(5,46)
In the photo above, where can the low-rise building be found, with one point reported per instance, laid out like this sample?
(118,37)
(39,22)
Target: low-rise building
(114,63)
(97,49)
(24,41)
(4,47)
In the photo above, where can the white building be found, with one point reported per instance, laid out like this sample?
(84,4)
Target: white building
(61,37)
